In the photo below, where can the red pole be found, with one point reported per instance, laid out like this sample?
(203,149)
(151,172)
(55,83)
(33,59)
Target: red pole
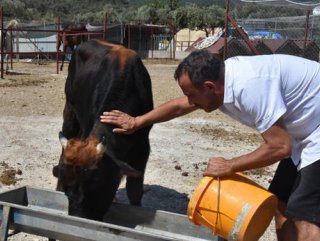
(225,51)
(243,35)
(129,36)
(306,30)
(151,43)
(174,40)
(58,34)
(105,26)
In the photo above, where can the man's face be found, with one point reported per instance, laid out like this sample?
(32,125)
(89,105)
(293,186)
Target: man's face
(206,97)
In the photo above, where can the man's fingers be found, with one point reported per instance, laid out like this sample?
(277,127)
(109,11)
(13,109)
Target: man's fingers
(119,131)
(117,111)
(106,120)
(124,122)
(113,113)
(111,119)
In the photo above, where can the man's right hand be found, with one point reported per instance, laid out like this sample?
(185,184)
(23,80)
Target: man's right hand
(125,123)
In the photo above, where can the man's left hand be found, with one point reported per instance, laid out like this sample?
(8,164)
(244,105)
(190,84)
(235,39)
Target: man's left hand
(218,167)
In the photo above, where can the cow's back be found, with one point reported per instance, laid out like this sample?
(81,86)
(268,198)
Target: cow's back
(104,76)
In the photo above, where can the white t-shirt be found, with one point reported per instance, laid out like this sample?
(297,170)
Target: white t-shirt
(261,89)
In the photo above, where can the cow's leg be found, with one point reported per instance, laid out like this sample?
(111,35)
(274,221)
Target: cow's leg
(63,55)
(134,185)
(134,188)
(62,60)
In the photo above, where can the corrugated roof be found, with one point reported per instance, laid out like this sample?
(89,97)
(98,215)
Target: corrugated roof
(214,48)
(300,43)
(274,44)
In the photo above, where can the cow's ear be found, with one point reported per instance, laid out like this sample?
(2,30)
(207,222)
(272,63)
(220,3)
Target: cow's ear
(125,168)
(63,140)
(102,146)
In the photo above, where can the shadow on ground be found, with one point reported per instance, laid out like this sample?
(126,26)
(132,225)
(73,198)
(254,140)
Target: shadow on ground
(159,198)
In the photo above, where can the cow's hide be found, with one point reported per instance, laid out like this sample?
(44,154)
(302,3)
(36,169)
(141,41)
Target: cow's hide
(102,77)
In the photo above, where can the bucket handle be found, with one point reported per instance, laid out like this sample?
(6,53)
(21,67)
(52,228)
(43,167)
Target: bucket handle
(218,205)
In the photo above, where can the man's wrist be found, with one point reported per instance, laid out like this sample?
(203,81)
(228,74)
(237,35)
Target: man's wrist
(138,123)
(233,166)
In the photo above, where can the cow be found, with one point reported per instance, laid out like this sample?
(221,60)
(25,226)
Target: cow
(102,76)
(72,35)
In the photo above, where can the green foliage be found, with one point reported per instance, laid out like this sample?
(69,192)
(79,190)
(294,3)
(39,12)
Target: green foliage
(204,18)
(200,14)
(184,13)
(13,9)
(255,10)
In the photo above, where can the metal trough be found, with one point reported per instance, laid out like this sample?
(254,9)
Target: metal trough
(44,212)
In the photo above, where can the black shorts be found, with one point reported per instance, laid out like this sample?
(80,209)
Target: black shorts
(299,190)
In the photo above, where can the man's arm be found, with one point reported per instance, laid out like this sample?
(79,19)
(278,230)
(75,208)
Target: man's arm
(128,124)
(276,146)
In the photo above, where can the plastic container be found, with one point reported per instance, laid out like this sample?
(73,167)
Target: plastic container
(234,207)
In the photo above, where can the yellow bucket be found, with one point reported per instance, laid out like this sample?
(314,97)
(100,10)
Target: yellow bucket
(233,207)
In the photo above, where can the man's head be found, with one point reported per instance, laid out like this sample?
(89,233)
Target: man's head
(201,78)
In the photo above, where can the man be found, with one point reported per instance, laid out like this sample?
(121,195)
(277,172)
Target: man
(279,95)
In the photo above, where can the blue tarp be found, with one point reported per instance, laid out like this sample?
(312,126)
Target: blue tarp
(264,34)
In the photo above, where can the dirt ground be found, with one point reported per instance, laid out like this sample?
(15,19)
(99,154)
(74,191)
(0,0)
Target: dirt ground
(31,104)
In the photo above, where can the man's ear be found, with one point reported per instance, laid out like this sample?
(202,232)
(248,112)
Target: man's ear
(215,86)
(209,84)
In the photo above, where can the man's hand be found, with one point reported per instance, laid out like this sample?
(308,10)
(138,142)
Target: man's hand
(218,167)
(126,123)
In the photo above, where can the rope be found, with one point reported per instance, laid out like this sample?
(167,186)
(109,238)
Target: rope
(218,204)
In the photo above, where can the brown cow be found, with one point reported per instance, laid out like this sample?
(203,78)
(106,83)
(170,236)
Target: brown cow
(102,77)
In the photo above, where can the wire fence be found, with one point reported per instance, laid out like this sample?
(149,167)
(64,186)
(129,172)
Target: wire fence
(254,27)
(275,26)
(40,39)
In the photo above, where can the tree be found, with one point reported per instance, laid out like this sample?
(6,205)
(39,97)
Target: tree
(199,18)
(180,16)
(157,11)
(145,13)
(214,16)
(255,10)
(14,9)
(165,4)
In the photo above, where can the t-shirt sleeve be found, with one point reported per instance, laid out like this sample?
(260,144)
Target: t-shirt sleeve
(263,101)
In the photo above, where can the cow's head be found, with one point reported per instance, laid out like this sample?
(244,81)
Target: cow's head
(80,157)
(82,153)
